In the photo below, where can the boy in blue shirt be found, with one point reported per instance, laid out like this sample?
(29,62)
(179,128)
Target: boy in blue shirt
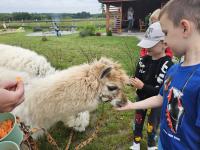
(180,94)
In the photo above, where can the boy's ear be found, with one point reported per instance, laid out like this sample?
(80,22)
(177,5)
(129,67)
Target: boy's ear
(186,27)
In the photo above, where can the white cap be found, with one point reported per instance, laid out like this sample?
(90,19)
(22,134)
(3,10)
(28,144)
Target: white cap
(153,35)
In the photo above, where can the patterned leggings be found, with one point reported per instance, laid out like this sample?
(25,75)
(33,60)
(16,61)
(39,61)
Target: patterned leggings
(152,125)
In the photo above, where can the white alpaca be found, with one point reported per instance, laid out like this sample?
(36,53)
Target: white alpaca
(64,94)
(35,65)
(24,60)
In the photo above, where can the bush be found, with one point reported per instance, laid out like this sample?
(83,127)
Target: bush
(37,29)
(44,38)
(84,33)
(109,33)
(87,31)
(98,34)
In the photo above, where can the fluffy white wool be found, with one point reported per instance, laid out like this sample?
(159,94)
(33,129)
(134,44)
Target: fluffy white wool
(24,60)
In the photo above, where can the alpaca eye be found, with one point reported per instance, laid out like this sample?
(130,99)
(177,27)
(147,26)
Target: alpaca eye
(112,88)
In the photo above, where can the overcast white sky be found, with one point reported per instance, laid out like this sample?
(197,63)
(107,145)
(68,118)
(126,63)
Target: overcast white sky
(50,6)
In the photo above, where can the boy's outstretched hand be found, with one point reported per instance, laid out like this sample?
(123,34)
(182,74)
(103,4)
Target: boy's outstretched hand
(128,106)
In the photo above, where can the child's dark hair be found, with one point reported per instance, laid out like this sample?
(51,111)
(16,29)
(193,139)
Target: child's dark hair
(182,9)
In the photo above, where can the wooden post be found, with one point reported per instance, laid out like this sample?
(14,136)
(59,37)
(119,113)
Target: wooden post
(120,30)
(107,18)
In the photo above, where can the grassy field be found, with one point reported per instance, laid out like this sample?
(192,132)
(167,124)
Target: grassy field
(63,24)
(66,51)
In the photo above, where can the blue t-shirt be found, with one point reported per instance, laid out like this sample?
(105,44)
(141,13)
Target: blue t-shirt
(180,116)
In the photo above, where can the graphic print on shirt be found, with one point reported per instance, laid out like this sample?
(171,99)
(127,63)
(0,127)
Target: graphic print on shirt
(167,82)
(175,109)
(161,75)
(141,66)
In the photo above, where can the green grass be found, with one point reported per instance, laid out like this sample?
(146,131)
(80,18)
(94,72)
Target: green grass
(66,51)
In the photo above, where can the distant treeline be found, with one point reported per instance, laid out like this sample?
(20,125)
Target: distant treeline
(19,16)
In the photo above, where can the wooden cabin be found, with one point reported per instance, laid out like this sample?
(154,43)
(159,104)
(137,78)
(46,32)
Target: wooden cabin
(116,12)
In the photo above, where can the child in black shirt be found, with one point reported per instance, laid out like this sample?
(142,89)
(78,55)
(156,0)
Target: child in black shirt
(149,77)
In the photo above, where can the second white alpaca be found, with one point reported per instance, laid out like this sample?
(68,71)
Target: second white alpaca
(21,59)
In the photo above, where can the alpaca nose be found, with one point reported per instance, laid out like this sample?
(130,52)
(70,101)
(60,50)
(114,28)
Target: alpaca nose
(123,101)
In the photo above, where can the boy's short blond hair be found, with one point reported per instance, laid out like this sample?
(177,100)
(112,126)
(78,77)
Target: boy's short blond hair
(182,9)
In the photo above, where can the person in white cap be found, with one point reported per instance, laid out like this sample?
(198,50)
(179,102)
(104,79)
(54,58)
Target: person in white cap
(149,77)
(152,19)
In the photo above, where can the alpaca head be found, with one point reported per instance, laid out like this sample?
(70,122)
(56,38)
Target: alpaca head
(112,80)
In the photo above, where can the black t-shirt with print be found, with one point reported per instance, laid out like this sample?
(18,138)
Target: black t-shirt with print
(152,73)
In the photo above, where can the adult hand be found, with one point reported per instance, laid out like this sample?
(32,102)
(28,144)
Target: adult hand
(11,95)
(128,106)
(137,83)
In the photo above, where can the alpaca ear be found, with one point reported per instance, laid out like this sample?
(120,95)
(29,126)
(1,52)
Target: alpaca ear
(105,72)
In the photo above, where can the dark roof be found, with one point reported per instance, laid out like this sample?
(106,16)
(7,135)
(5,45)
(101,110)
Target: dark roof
(114,1)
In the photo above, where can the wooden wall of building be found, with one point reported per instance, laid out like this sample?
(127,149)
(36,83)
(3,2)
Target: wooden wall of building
(141,8)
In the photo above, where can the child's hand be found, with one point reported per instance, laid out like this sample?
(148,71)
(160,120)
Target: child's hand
(128,106)
(137,83)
